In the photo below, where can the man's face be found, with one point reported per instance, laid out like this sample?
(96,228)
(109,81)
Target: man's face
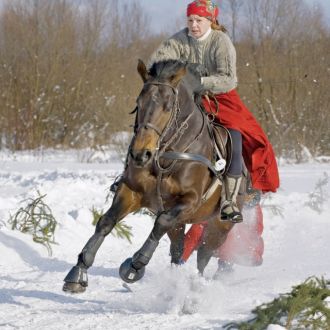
(198,25)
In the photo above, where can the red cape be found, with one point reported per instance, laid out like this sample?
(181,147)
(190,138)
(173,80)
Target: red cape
(244,244)
(258,153)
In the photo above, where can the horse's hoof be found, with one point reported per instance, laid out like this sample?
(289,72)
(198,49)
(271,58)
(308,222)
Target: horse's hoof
(224,268)
(179,262)
(73,287)
(76,281)
(128,273)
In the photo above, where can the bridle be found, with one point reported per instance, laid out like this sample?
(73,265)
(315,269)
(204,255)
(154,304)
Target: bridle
(179,131)
(174,112)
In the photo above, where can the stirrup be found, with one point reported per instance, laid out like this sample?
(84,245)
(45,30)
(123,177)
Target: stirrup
(115,184)
(230,212)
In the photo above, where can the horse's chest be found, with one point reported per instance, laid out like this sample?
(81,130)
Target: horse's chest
(166,189)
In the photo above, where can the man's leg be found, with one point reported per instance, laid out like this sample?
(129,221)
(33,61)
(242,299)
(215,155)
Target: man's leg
(232,181)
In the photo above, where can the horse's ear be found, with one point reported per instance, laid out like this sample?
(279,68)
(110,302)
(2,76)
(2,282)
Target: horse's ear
(142,70)
(175,79)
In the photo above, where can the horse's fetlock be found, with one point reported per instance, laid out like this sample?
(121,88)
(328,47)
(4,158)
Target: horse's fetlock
(176,253)
(139,261)
(143,256)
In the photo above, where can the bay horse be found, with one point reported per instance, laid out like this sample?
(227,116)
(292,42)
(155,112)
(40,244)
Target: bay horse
(169,171)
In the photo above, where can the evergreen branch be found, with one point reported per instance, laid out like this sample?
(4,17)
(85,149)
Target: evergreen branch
(36,219)
(305,307)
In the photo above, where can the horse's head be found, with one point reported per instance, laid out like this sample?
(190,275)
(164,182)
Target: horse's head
(156,107)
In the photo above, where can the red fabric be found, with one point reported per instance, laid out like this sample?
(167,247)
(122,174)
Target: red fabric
(192,239)
(203,8)
(258,153)
(244,244)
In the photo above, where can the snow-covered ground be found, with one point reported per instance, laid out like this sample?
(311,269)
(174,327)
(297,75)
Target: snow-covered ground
(297,246)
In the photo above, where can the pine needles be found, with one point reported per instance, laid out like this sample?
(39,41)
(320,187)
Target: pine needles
(305,307)
(121,229)
(36,219)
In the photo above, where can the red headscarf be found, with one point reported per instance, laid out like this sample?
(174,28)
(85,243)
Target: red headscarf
(204,8)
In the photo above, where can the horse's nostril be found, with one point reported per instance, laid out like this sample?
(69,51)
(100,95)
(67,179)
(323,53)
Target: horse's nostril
(142,157)
(148,154)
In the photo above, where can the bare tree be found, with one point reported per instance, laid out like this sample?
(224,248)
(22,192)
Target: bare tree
(233,7)
(67,76)
(280,68)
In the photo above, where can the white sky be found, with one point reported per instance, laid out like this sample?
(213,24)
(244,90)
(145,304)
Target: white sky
(164,14)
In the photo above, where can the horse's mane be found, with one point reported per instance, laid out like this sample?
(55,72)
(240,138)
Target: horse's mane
(165,69)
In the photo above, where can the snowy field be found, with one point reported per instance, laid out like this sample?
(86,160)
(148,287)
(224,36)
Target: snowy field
(297,246)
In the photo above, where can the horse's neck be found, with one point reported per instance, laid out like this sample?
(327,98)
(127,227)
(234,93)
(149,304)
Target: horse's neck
(185,99)
(195,121)
(188,105)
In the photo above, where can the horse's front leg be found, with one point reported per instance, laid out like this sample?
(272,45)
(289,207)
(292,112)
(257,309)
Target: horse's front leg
(132,269)
(124,202)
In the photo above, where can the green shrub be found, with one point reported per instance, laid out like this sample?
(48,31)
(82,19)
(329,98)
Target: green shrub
(36,218)
(121,230)
(305,307)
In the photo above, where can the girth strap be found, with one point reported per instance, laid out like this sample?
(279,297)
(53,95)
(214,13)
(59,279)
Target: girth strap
(173,155)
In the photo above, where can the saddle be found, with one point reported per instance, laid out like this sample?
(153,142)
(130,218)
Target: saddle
(222,144)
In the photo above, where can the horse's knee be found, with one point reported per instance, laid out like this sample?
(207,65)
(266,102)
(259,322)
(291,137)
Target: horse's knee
(105,225)
(165,220)
(163,223)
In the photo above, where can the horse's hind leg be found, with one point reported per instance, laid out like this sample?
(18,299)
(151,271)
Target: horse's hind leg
(215,235)
(176,236)
(204,255)
(125,202)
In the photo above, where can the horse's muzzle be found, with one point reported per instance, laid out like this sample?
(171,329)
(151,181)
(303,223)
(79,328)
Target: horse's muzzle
(141,157)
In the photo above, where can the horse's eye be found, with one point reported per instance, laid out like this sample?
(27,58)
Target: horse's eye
(167,108)
(135,110)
